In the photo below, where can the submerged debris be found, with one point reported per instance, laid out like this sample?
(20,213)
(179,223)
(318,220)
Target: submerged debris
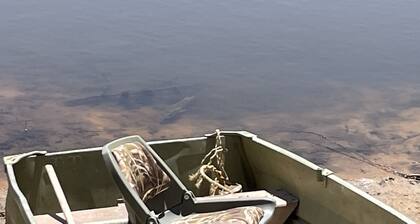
(177,109)
(134,99)
(410,176)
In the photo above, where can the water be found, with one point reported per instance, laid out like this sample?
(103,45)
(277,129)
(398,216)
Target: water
(287,70)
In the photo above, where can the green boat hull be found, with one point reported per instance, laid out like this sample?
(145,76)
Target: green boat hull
(251,161)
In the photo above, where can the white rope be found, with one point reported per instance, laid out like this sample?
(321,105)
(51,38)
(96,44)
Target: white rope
(214,163)
(203,174)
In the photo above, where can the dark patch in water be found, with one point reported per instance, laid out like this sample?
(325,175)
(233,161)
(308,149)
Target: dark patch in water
(176,110)
(135,99)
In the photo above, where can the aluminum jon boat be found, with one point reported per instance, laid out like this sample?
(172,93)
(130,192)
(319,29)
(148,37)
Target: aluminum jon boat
(76,186)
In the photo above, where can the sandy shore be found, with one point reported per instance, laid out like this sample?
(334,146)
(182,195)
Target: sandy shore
(399,193)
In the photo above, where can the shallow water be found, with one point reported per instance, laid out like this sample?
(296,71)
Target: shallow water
(333,82)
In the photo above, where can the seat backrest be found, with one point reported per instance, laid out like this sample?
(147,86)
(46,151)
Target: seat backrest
(141,170)
(145,181)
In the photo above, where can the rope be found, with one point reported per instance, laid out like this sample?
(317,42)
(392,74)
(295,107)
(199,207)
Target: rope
(213,171)
(203,174)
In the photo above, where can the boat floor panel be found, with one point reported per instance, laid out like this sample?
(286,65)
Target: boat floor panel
(109,215)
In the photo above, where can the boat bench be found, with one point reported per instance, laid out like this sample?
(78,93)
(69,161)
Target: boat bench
(109,215)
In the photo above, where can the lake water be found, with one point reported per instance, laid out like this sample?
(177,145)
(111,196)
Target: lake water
(334,81)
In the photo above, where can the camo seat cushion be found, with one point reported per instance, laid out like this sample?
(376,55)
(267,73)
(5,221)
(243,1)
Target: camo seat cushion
(241,215)
(141,170)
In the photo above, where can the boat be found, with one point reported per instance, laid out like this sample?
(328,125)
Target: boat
(74,185)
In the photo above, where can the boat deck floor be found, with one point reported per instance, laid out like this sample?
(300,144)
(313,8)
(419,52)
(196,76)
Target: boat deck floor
(109,215)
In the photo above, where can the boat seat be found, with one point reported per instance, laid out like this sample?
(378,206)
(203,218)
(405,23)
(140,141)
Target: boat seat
(245,215)
(154,194)
(285,202)
(108,215)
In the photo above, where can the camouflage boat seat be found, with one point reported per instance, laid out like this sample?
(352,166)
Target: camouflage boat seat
(284,201)
(154,194)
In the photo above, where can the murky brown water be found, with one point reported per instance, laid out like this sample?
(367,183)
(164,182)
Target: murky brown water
(334,82)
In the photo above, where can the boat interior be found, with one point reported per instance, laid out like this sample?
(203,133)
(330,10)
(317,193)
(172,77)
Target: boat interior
(305,192)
